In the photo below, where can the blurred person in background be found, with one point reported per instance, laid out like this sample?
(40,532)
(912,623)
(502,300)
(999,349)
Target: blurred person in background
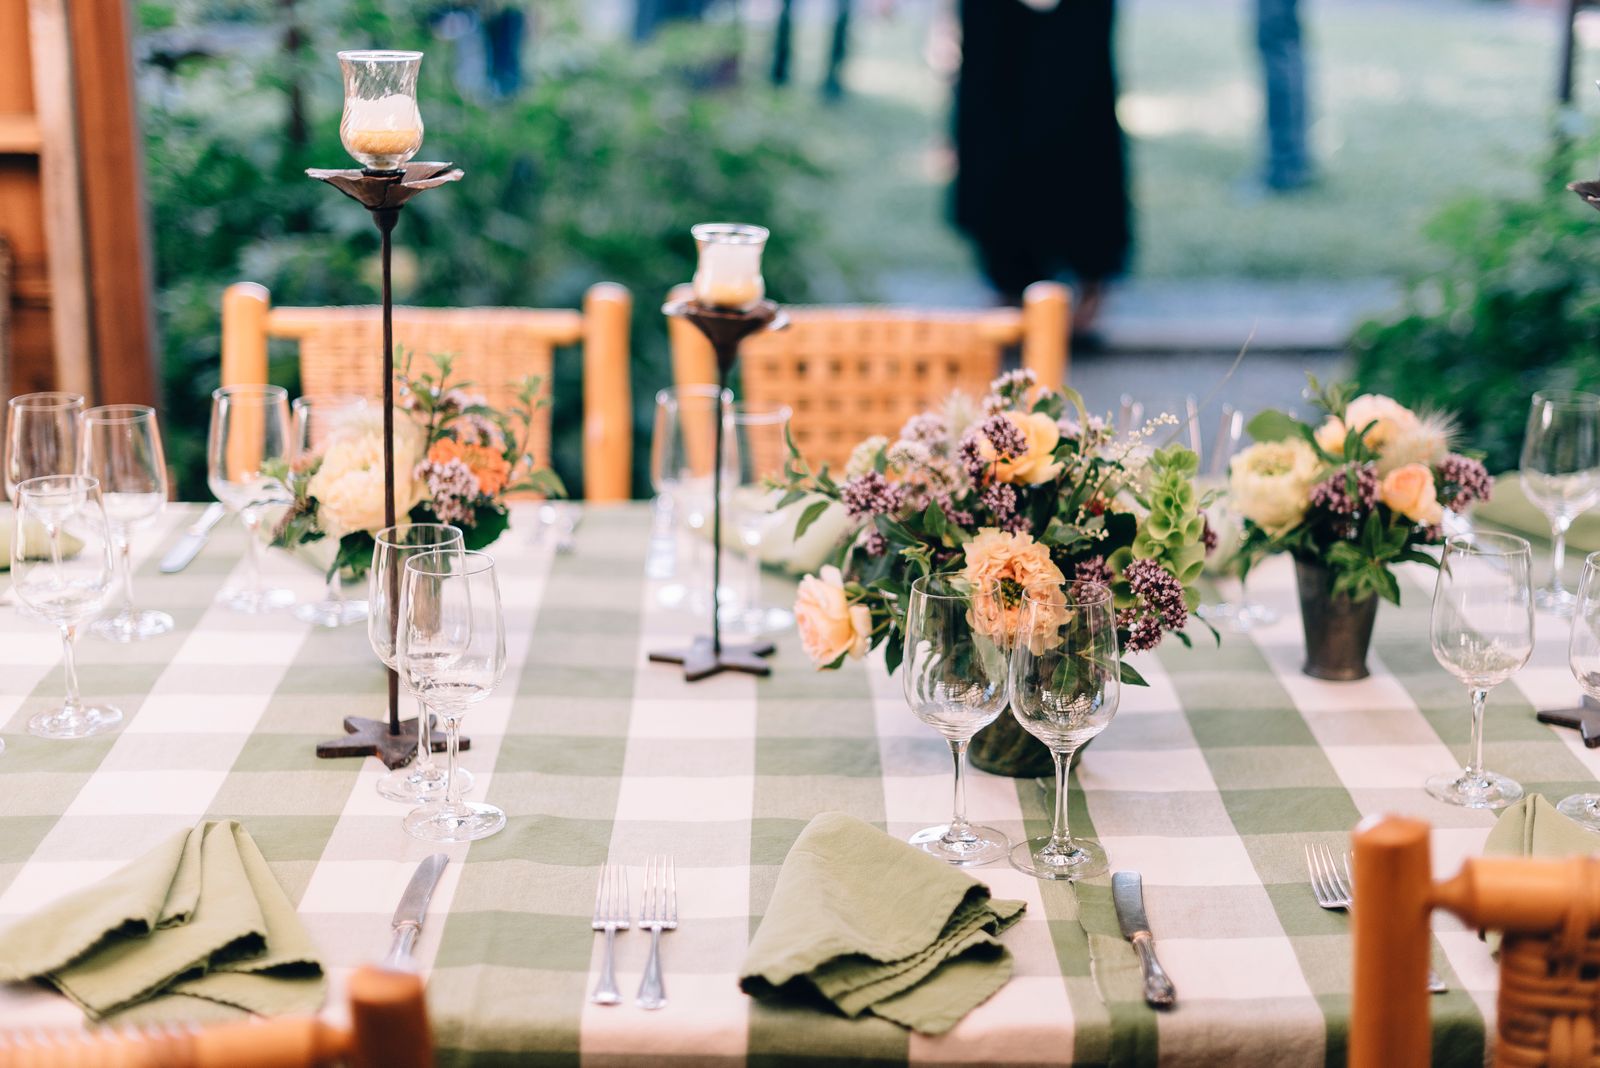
(1283,69)
(650,15)
(1042,180)
(783,47)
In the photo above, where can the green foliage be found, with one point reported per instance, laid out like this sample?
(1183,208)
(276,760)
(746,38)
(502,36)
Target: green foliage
(1173,533)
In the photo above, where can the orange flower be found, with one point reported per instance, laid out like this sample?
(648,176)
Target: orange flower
(489,467)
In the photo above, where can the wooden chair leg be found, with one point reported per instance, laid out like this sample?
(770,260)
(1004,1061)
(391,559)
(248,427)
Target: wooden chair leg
(607,396)
(389,1020)
(1046,326)
(1389,1024)
(693,362)
(244,334)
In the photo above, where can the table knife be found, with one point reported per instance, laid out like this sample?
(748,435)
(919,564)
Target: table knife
(413,907)
(1127,894)
(188,546)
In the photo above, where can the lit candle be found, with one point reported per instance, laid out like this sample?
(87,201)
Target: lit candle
(728,275)
(381,126)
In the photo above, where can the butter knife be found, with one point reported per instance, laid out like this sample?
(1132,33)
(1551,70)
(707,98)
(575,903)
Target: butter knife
(188,546)
(1127,894)
(408,917)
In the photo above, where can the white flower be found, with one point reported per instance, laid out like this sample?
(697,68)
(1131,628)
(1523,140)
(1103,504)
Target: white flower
(1427,442)
(1270,483)
(348,484)
(864,457)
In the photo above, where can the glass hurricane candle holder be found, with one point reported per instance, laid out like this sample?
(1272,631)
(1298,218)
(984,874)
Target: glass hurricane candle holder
(381,126)
(728,275)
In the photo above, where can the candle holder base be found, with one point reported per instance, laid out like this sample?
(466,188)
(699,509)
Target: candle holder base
(701,660)
(366,736)
(726,328)
(1585,719)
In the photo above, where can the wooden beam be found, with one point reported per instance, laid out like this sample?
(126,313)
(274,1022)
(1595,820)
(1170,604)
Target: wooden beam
(19,135)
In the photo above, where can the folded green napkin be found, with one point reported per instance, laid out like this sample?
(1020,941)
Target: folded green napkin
(1510,509)
(198,917)
(37,545)
(1533,828)
(873,925)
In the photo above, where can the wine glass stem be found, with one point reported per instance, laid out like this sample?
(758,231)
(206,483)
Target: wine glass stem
(125,552)
(452,736)
(335,589)
(1060,835)
(252,551)
(424,736)
(1558,551)
(1475,760)
(69,667)
(958,818)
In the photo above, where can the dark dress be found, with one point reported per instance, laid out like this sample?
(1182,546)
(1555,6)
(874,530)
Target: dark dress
(1042,182)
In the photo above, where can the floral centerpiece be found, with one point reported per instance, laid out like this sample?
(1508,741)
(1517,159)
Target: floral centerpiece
(1364,489)
(456,458)
(1023,487)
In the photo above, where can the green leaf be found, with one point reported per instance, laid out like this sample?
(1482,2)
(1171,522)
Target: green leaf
(810,515)
(1130,675)
(893,652)
(1273,425)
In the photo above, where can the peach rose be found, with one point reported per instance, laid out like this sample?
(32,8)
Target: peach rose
(1389,418)
(1410,491)
(830,626)
(1038,463)
(1021,566)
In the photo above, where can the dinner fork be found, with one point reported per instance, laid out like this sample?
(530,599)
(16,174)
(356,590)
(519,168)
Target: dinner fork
(658,911)
(610,916)
(1333,891)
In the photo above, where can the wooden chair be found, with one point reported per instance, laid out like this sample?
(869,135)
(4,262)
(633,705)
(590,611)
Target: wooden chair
(850,372)
(388,1029)
(1548,912)
(341,352)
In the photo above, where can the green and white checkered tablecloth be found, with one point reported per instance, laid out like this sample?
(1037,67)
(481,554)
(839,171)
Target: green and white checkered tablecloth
(1210,782)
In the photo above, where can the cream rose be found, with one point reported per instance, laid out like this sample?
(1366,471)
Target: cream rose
(1410,491)
(1038,463)
(830,626)
(1270,483)
(348,485)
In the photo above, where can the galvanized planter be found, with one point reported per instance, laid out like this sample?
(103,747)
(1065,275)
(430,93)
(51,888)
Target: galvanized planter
(1338,630)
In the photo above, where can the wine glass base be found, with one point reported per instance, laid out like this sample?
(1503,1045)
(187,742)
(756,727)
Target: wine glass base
(1491,791)
(1237,617)
(417,783)
(979,845)
(469,822)
(127,627)
(1582,809)
(1039,858)
(332,614)
(86,721)
(1551,601)
(255,602)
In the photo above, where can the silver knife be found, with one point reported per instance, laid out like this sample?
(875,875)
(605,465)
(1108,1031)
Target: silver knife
(413,907)
(1127,894)
(187,547)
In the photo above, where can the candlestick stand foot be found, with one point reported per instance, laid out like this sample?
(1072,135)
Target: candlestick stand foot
(701,661)
(371,737)
(1585,719)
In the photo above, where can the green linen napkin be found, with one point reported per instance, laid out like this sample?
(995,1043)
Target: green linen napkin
(198,917)
(1533,828)
(873,925)
(1510,509)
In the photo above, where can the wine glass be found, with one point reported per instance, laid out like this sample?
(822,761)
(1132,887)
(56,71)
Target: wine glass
(393,546)
(318,421)
(451,649)
(1245,614)
(249,436)
(41,436)
(1065,686)
(761,445)
(64,580)
(1561,475)
(954,676)
(681,448)
(1482,630)
(121,449)
(1583,657)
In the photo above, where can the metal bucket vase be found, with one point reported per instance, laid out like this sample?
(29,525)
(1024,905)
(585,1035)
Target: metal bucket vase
(1338,630)
(1004,748)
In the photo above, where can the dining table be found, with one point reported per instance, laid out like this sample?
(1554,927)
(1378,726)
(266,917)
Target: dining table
(1211,781)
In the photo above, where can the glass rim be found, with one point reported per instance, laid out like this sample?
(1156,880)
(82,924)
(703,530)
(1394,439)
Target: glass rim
(672,395)
(249,389)
(1568,399)
(114,414)
(35,485)
(386,535)
(46,400)
(730,233)
(1483,542)
(312,399)
(379,55)
(476,562)
(782,413)
(1090,594)
(919,586)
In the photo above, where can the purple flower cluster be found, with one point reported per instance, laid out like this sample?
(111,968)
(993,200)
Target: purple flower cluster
(869,495)
(1004,438)
(873,543)
(1463,481)
(1332,494)
(1094,569)
(1158,605)
(925,428)
(959,516)
(1144,632)
(1208,535)
(1001,500)
(453,487)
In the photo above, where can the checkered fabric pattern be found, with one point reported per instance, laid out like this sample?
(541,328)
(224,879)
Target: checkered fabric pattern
(1210,782)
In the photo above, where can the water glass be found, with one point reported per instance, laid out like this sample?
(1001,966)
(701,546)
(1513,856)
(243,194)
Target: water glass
(1482,632)
(393,546)
(451,650)
(318,421)
(681,449)
(760,448)
(1561,475)
(1583,657)
(954,676)
(1065,686)
(121,449)
(64,578)
(249,434)
(41,436)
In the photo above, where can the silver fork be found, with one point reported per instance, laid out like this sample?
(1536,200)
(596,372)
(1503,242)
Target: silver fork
(658,911)
(610,916)
(1332,888)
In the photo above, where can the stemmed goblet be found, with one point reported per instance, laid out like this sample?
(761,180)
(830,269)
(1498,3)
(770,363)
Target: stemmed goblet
(681,448)
(1482,631)
(451,648)
(1561,475)
(393,546)
(318,421)
(761,436)
(41,436)
(65,582)
(121,449)
(954,676)
(249,434)
(1065,687)
(1583,656)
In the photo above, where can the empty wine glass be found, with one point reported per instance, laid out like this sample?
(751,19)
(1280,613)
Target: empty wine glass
(41,436)
(64,579)
(1583,657)
(681,448)
(1482,630)
(954,676)
(1561,475)
(319,421)
(249,435)
(451,649)
(761,445)
(121,449)
(1065,686)
(393,546)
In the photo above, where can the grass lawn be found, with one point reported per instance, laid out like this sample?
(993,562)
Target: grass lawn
(1416,102)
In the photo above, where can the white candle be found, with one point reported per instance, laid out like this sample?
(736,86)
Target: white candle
(387,129)
(729,275)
